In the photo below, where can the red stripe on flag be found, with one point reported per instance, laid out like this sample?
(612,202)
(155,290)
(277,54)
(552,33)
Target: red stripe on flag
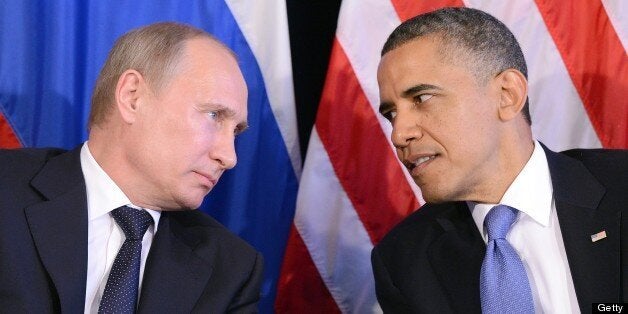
(300,288)
(596,62)
(8,139)
(408,9)
(359,152)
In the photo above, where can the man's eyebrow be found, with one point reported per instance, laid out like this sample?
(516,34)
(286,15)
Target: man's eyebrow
(418,88)
(217,107)
(385,106)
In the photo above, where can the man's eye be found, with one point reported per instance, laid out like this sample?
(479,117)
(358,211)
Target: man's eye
(390,115)
(213,114)
(422,98)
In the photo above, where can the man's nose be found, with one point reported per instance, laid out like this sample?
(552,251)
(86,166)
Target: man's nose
(224,151)
(406,128)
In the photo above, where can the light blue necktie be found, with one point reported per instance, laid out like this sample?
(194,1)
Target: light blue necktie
(504,285)
(121,291)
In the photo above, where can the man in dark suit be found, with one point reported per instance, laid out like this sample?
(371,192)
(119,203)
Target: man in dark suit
(165,112)
(453,84)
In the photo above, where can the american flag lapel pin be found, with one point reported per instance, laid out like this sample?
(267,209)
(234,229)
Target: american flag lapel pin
(598,236)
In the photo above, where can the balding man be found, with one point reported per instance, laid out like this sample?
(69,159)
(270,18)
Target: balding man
(110,227)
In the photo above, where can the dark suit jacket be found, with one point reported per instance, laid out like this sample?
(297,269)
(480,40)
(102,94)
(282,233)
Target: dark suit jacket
(194,265)
(430,262)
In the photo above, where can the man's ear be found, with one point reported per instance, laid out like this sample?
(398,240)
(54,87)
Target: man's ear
(128,91)
(513,95)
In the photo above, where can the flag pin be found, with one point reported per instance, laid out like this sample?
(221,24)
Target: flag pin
(598,236)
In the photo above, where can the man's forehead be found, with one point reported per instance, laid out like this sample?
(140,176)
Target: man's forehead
(416,49)
(401,64)
(213,63)
(205,49)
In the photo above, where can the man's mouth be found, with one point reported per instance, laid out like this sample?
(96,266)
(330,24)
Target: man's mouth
(208,180)
(420,162)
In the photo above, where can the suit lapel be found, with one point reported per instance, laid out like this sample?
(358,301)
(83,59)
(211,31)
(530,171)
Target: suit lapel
(59,227)
(456,257)
(175,276)
(593,265)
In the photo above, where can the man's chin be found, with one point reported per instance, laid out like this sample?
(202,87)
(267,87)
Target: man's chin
(432,196)
(194,198)
(192,205)
(437,196)
(186,203)
(180,208)
(433,199)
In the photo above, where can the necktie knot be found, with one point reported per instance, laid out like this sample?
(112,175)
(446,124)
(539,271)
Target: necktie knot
(133,222)
(498,221)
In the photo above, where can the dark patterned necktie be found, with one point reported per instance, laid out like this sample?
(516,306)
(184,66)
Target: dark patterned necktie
(504,285)
(120,295)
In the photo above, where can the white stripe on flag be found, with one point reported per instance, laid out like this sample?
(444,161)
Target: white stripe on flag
(265,27)
(334,234)
(615,11)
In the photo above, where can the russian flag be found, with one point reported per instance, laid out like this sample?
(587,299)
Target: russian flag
(51,53)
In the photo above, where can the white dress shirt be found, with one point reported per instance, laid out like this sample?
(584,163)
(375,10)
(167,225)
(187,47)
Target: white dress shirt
(105,237)
(536,236)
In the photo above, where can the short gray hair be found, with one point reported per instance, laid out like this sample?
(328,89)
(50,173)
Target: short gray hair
(491,45)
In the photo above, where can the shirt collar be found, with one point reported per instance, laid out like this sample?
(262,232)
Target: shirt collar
(531,192)
(103,195)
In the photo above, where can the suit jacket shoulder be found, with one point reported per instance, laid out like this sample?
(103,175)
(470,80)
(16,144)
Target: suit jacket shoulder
(608,166)
(43,231)
(23,163)
(196,265)
(203,230)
